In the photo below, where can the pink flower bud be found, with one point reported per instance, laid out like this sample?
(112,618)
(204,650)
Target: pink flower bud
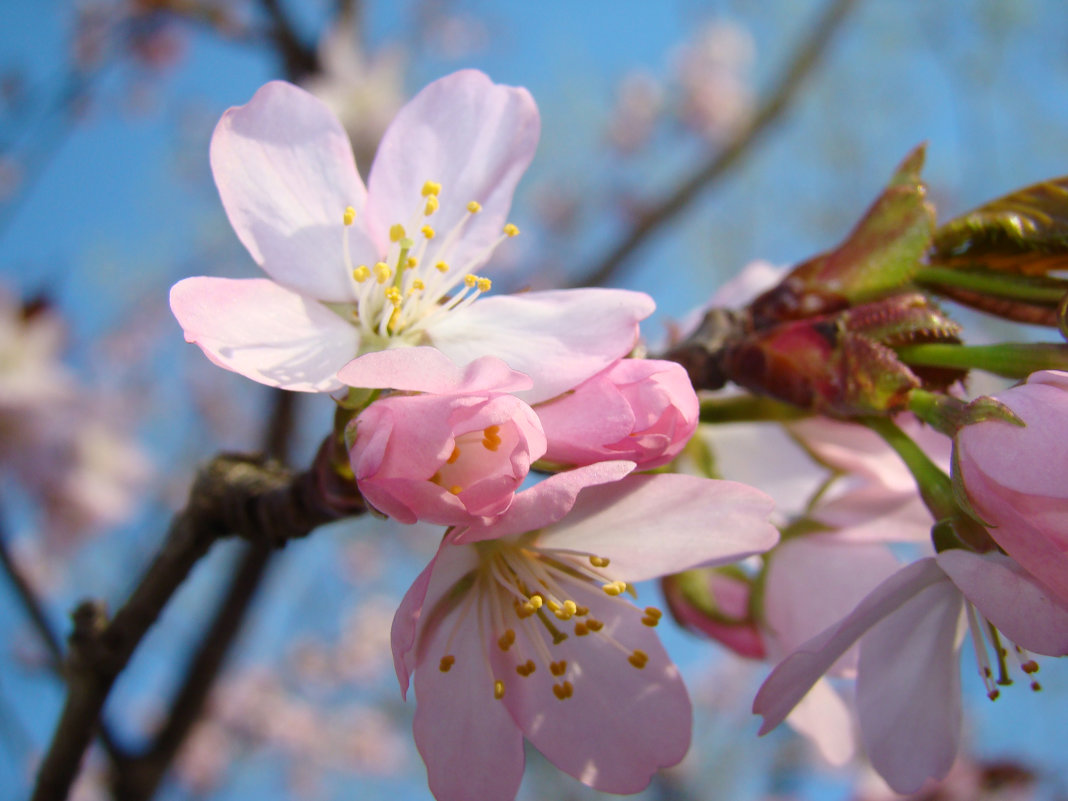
(642,410)
(1015,477)
(448,459)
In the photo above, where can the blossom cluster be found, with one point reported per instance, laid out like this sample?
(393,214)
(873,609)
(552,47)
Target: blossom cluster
(519,627)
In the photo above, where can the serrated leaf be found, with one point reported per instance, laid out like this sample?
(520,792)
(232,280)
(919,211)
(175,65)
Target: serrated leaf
(1024,232)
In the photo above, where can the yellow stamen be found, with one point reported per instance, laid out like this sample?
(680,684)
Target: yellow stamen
(498,689)
(484,284)
(417,284)
(411,263)
(558,668)
(361,274)
(470,280)
(615,588)
(526,668)
(441,267)
(506,640)
(396,232)
(446,662)
(456,489)
(382,272)
(427,231)
(349,216)
(598,561)
(431,206)
(638,658)
(454,455)
(474,207)
(563,690)
(431,188)
(511,230)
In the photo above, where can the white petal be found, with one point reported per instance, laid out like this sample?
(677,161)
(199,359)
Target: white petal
(265,332)
(825,719)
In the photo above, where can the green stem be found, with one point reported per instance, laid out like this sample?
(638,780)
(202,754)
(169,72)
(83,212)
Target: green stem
(1031,289)
(748,409)
(935,486)
(1008,359)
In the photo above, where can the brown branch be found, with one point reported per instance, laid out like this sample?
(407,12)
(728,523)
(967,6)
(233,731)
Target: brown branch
(250,497)
(31,604)
(298,58)
(797,70)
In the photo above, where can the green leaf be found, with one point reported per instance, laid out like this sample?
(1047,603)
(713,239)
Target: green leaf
(1024,232)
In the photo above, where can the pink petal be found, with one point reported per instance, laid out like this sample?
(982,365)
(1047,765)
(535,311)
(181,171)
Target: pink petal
(405,625)
(545,502)
(474,137)
(794,676)
(1023,610)
(814,582)
(621,723)
(469,742)
(825,719)
(265,332)
(558,338)
(285,172)
(908,688)
(430,370)
(648,526)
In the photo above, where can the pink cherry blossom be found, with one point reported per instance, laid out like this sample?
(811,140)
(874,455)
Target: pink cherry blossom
(518,629)
(643,410)
(908,678)
(355,269)
(1014,477)
(450,456)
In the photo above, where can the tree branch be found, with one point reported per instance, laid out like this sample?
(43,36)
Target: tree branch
(256,499)
(798,68)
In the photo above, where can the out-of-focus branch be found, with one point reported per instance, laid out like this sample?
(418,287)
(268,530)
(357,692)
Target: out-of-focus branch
(657,214)
(31,604)
(137,777)
(251,497)
(298,58)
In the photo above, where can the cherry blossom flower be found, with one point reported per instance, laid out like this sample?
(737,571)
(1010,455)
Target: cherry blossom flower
(518,628)
(910,630)
(644,410)
(451,455)
(1014,477)
(355,269)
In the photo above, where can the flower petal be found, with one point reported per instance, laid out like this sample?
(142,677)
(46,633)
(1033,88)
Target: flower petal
(474,137)
(286,174)
(648,526)
(812,583)
(545,502)
(430,370)
(621,723)
(825,719)
(558,338)
(405,625)
(908,688)
(1024,610)
(469,742)
(794,676)
(265,332)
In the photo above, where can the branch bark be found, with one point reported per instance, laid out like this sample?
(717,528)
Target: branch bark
(251,497)
(778,100)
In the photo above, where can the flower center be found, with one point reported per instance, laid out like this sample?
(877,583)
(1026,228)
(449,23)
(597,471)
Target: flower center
(525,599)
(416,281)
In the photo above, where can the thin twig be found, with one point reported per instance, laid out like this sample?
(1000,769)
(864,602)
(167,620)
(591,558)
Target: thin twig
(31,604)
(298,58)
(797,70)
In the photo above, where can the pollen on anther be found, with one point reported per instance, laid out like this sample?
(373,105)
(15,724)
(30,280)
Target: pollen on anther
(563,690)
(614,588)
(441,267)
(526,668)
(599,561)
(470,280)
(581,629)
(454,455)
(638,658)
(411,262)
(447,662)
(498,689)
(484,284)
(382,272)
(1030,666)
(361,274)
(506,640)
(536,601)
(396,232)
(427,231)
(474,207)
(416,286)
(511,230)
(431,206)
(349,216)
(456,489)
(431,188)
(558,668)
(593,624)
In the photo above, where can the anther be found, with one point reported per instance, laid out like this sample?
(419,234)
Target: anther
(484,284)
(361,274)
(498,689)
(349,216)
(454,455)
(599,561)
(1036,687)
(1030,666)
(474,207)
(441,267)
(411,262)
(417,285)
(382,272)
(431,188)
(447,662)
(456,489)
(638,658)
(563,690)
(526,668)
(558,668)
(506,640)
(993,694)
(581,629)
(427,231)
(511,230)
(582,611)
(396,232)
(431,206)
(470,280)
(652,616)
(593,624)
(615,588)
